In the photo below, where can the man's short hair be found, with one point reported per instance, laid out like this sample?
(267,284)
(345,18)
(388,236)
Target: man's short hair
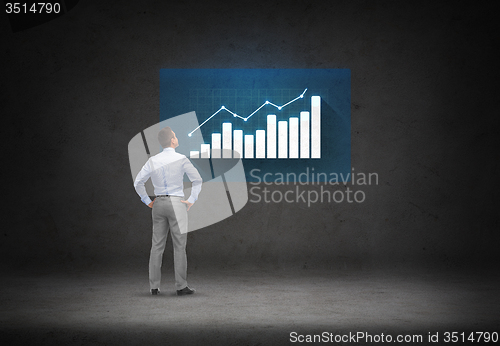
(165,137)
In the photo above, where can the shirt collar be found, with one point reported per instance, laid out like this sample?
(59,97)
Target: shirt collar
(169,149)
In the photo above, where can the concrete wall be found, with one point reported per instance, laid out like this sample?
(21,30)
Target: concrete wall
(75,90)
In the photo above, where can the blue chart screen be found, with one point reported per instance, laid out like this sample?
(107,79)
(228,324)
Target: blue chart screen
(275,120)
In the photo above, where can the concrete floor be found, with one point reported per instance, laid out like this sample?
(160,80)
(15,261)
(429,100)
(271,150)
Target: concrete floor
(242,307)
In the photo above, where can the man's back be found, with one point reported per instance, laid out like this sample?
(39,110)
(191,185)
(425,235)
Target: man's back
(167,170)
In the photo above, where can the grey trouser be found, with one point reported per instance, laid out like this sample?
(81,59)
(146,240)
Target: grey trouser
(169,214)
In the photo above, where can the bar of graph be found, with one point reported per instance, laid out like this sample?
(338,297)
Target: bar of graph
(260,144)
(216,145)
(248,146)
(315,127)
(282,139)
(304,135)
(294,138)
(205,151)
(238,143)
(271,136)
(226,140)
(299,137)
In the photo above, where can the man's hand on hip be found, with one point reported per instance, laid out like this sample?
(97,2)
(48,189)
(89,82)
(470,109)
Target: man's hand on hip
(188,204)
(151,204)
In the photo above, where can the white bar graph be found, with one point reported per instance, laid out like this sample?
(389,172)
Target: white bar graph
(260,144)
(315,127)
(216,138)
(248,146)
(238,143)
(205,151)
(226,140)
(299,137)
(304,135)
(294,138)
(271,136)
(282,139)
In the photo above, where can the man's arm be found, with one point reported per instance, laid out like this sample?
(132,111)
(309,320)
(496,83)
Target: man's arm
(139,182)
(195,177)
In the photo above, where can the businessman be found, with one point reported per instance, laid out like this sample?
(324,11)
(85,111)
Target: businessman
(169,213)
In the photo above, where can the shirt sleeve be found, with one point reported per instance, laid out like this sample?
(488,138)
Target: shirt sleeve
(195,177)
(139,182)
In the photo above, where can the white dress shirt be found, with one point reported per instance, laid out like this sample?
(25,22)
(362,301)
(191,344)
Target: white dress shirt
(166,170)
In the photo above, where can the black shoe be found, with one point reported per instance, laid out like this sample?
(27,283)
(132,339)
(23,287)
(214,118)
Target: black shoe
(155,291)
(185,290)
